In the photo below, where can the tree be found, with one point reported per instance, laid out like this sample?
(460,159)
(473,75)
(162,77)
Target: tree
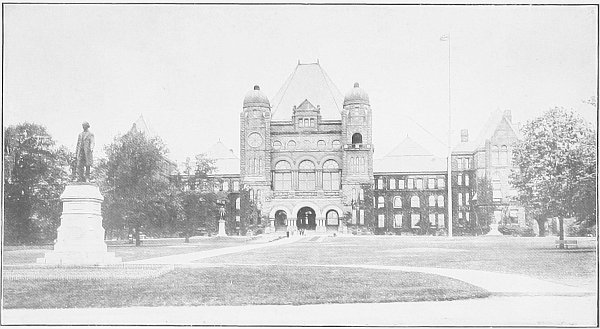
(556,161)
(197,205)
(138,194)
(36,172)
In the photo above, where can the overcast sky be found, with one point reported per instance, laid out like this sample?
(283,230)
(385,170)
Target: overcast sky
(187,68)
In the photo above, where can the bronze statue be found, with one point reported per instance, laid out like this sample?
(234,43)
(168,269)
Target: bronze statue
(84,153)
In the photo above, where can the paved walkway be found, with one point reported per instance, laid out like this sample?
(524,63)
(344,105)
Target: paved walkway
(190,257)
(517,300)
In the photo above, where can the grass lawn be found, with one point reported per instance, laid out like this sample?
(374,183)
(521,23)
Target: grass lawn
(536,257)
(240,285)
(129,252)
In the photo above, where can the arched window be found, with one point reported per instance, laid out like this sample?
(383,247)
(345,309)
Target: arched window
(503,155)
(357,138)
(336,144)
(440,201)
(307,145)
(332,217)
(415,202)
(276,145)
(283,176)
(362,167)
(397,202)
(331,175)
(431,201)
(460,199)
(380,202)
(354,195)
(306,176)
(291,145)
(321,145)
(361,194)
(467,180)
(237,203)
(226,186)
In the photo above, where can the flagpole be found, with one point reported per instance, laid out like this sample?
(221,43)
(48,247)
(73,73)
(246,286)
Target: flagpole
(449,160)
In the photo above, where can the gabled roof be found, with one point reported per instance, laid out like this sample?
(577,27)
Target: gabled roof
(310,82)
(226,162)
(409,157)
(306,105)
(408,147)
(488,130)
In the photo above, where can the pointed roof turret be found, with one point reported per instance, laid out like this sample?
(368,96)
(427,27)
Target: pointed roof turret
(140,126)
(307,82)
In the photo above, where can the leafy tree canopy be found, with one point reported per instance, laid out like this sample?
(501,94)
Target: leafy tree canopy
(556,162)
(36,172)
(138,195)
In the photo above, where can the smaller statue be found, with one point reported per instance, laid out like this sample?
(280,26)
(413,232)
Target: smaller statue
(84,153)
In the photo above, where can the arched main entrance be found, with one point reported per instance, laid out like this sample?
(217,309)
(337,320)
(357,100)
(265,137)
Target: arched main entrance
(306,219)
(280,218)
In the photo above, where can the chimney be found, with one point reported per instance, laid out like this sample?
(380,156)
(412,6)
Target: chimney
(508,115)
(464,135)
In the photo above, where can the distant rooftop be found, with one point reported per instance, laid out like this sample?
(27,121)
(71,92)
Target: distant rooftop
(226,161)
(308,82)
(409,157)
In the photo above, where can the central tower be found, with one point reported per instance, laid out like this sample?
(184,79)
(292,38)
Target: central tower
(307,155)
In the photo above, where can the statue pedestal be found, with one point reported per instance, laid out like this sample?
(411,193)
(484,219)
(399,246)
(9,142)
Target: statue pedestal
(80,236)
(221,228)
(494,230)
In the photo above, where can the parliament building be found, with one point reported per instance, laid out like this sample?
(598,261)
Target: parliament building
(306,162)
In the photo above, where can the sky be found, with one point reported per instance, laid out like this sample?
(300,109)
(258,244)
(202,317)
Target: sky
(186,68)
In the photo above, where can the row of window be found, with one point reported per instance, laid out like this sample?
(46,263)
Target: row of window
(307,122)
(435,220)
(216,186)
(307,145)
(415,201)
(411,183)
(282,176)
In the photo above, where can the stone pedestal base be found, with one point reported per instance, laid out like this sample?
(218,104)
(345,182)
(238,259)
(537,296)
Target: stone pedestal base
(80,236)
(494,230)
(221,228)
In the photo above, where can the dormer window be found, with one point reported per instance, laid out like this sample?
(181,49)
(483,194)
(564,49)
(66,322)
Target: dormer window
(307,115)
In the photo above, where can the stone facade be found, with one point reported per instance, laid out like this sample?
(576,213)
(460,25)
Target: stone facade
(305,170)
